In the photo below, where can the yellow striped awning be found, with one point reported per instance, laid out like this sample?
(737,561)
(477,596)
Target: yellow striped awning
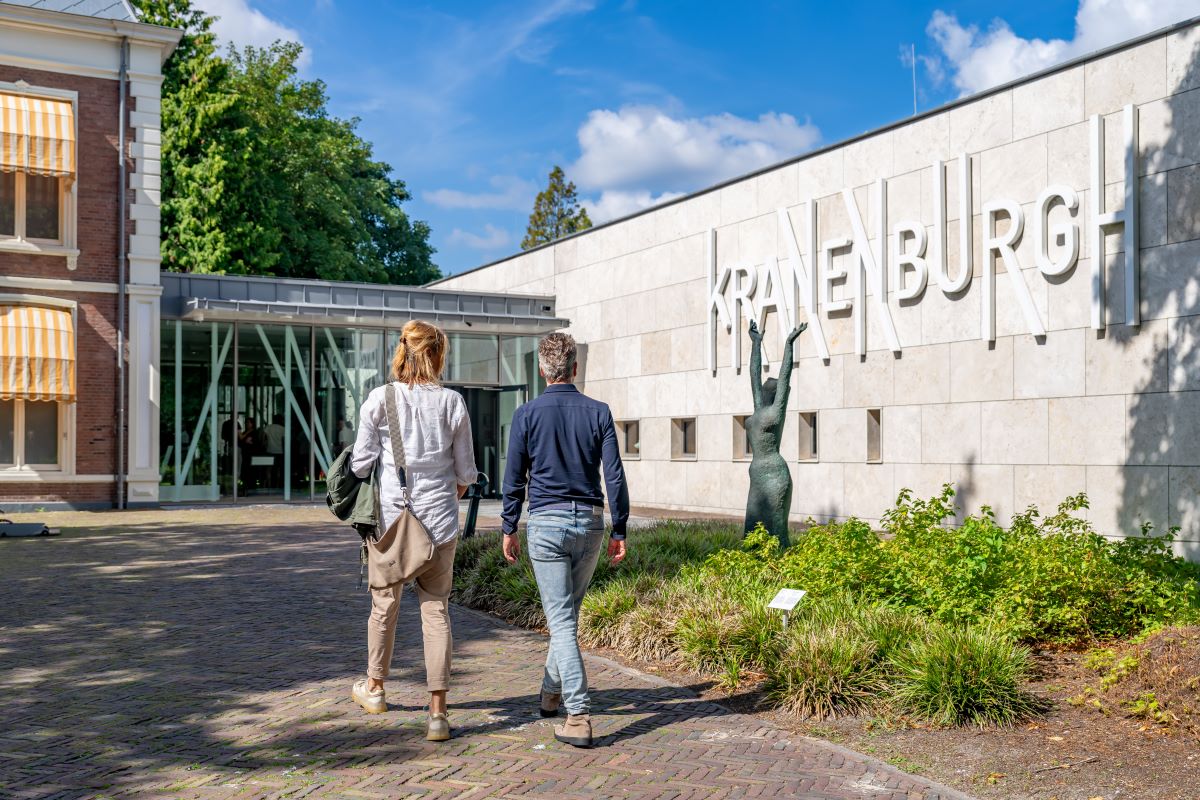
(37,353)
(37,135)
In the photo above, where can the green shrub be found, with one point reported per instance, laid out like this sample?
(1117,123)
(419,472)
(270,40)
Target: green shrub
(959,675)
(925,616)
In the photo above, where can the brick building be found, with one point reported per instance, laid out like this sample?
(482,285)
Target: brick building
(66,67)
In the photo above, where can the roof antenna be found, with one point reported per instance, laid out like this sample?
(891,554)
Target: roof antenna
(914,76)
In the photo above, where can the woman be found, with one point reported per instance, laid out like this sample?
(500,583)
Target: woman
(435,433)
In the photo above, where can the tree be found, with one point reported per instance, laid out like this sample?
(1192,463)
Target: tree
(556,213)
(259,178)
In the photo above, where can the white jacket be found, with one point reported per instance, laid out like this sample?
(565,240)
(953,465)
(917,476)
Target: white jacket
(436,433)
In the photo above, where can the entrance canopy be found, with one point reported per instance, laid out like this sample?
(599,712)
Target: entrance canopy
(228,298)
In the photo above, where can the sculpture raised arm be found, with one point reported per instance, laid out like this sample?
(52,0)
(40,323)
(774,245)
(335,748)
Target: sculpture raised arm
(756,381)
(785,369)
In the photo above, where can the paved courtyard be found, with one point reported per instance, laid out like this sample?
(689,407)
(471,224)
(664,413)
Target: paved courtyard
(209,653)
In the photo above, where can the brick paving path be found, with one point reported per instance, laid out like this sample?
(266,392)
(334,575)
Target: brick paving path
(197,657)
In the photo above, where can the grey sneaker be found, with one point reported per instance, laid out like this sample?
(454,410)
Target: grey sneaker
(550,703)
(373,702)
(437,728)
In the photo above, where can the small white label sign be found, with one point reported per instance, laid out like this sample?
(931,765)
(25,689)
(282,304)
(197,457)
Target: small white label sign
(787,599)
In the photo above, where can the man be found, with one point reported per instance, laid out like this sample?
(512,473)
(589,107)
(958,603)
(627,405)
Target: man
(557,447)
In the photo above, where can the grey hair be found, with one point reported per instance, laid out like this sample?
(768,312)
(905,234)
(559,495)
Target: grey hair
(556,357)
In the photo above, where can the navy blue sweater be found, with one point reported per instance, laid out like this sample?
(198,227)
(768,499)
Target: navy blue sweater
(557,446)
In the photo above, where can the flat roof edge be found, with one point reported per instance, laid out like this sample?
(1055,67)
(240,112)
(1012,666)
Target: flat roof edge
(951,105)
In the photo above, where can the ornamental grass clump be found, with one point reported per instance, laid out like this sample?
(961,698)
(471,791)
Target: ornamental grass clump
(826,672)
(957,675)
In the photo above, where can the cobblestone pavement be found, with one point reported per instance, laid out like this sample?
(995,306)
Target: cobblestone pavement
(209,654)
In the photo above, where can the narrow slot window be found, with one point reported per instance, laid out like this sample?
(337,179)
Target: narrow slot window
(683,438)
(630,433)
(741,439)
(874,436)
(808,436)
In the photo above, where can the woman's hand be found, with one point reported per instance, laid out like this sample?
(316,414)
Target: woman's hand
(796,331)
(512,548)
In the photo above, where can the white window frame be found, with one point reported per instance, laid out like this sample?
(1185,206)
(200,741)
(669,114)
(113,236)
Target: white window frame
(66,245)
(18,464)
(66,411)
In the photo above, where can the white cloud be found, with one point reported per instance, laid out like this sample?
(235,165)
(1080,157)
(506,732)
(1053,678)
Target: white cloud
(237,23)
(492,238)
(511,194)
(979,59)
(642,148)
(616,203)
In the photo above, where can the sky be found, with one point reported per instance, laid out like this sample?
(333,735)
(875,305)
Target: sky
(473,103)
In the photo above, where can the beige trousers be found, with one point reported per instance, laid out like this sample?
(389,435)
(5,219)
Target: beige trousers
(433,592)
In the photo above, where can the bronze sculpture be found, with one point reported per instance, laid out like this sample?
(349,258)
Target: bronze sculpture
(770,480)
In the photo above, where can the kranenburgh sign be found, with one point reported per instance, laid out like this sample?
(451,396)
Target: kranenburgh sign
(753,289)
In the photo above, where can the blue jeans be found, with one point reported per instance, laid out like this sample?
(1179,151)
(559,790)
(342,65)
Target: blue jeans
(564,547)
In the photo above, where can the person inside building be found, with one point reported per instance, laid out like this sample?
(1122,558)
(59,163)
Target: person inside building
(273,438)
(558,446)
(439,464)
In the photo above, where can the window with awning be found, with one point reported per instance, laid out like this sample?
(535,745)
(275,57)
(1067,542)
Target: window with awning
(37,136)
(37,353)
(38,155)
(37,381)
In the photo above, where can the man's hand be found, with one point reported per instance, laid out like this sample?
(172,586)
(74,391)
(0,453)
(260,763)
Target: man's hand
(616,550)
(512,547)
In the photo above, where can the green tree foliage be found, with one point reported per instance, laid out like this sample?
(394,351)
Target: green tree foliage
(260,179)
(556,213)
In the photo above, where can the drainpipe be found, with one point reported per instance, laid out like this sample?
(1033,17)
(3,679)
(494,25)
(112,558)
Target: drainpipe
(122,257)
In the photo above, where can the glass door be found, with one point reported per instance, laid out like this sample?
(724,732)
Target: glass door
(270,443)
(510,399)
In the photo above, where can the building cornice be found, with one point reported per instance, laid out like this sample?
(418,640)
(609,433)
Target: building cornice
(165,39)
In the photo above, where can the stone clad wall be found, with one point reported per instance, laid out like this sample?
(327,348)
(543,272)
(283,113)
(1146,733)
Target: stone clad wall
(1016,422)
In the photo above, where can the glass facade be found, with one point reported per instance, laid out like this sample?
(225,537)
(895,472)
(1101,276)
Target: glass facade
(257,412)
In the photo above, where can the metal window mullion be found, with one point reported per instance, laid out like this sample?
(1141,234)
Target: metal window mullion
(287,417)
(234,425)
(178,422)
(312,409)
(213,388)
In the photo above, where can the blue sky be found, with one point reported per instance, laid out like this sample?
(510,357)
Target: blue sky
(472,103)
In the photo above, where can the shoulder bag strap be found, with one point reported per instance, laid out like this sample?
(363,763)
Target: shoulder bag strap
(393,420)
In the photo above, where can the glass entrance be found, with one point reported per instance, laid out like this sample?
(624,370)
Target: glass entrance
(197,399)
(491,410)
(270,443)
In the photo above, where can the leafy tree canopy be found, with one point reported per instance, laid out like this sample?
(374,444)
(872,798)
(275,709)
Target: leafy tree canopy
(260,179)
(556,213)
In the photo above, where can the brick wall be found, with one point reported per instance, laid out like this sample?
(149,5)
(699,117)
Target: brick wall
(97,226)
(98,178)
